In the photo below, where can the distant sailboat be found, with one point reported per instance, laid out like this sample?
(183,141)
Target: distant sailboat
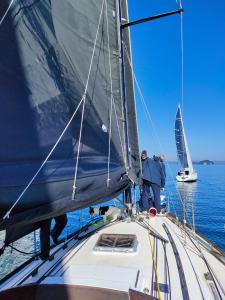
(186,173)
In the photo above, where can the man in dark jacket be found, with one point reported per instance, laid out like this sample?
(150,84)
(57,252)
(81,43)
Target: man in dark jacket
(153,176)
(161,159)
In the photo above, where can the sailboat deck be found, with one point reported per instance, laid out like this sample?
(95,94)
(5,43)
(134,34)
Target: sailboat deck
(178,267)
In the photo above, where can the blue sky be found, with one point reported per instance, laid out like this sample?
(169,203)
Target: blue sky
(157,65)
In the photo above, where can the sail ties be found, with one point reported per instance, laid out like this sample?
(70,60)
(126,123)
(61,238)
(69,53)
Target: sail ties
(84,96)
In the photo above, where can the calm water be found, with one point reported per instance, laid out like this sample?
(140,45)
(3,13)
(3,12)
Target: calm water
(207,195)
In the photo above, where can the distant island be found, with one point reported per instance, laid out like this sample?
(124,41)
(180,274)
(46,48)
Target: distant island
(204,162)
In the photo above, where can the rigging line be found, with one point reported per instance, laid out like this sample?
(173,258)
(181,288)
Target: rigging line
(153,273)
(182,60)
(85,92)
(196,275)
(44,162)
(152,123)
(179,4)
(111,92)
(215,280)
(182,70)
(156,258)
(157,138)
(153,259)
(23,252)
(60,137)
(141,95)
(5,14)
(149,116)
(168,270)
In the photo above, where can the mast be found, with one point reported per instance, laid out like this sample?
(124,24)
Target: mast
(124,96)
(127,192)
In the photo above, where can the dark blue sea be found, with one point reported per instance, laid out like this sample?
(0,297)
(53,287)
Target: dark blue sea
(206,198)
(207,195)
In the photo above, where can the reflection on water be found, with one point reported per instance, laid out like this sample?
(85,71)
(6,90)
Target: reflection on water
(11,258)
(182,200)
(207,195)
(186,193)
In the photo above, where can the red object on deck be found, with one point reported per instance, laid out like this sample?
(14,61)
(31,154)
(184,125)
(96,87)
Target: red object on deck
(152,212)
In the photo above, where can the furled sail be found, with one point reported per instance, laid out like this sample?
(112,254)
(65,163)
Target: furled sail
(183,154)
(58,78)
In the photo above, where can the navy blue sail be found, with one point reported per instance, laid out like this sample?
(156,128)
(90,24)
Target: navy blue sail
(179,138)
(53,56)
(181,143)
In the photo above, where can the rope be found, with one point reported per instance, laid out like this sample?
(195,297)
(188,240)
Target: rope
(182,86)
(63,132)
(206,263)
(111,92)
(153,259)
(85,93)
(155,132)
(5,14)
(179,5)
(78,150)
(182,66)
(23,252)
(159,143)
(44,162)
(147,111)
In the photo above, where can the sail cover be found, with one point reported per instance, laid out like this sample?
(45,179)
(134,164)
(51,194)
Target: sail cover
(45,58)
(181,143)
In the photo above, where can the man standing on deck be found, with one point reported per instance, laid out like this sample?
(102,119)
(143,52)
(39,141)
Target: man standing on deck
(45,227)
(153,176)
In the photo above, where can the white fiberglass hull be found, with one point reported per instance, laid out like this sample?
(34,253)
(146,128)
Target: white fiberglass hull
(187,177)
(81,270)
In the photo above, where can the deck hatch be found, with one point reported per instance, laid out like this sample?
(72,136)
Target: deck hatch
(125,243)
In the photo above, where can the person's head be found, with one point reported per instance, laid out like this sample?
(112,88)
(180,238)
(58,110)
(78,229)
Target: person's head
(161,157)
(143,154)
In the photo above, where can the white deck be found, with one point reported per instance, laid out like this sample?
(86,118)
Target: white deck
(79,264)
